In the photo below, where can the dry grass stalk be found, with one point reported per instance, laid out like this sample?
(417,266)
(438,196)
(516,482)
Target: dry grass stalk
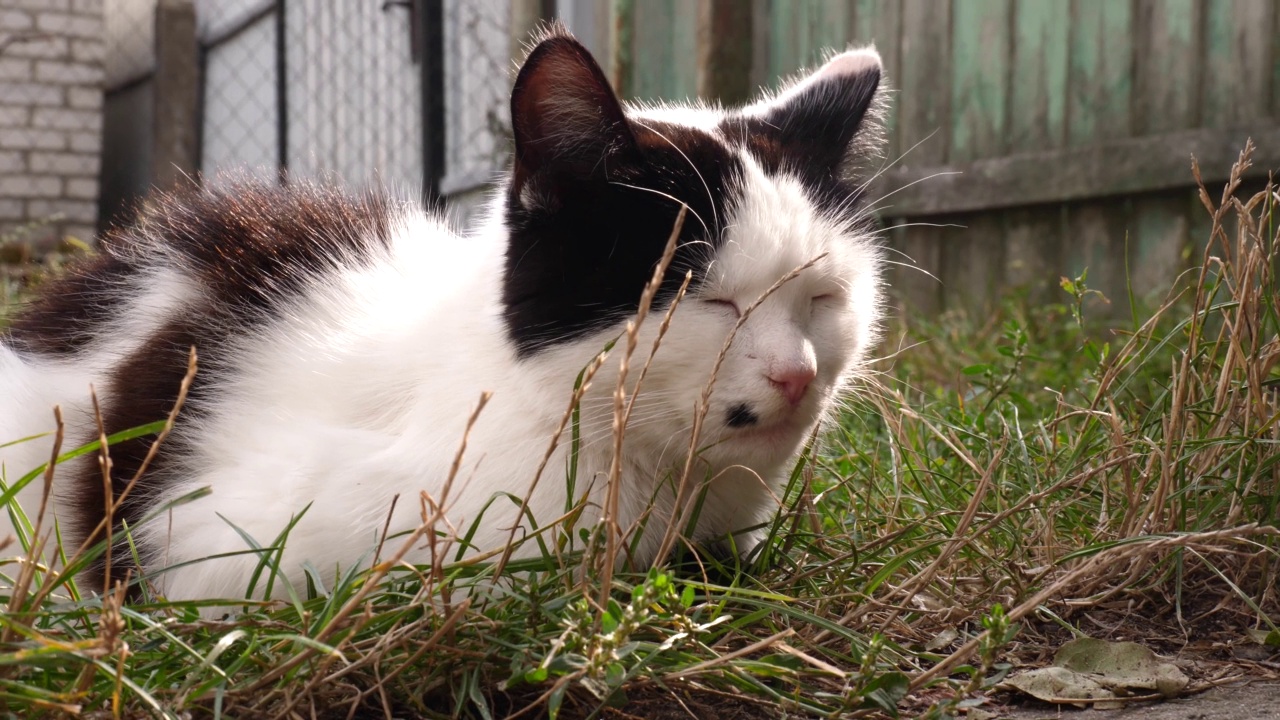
(26,573)
(622,407)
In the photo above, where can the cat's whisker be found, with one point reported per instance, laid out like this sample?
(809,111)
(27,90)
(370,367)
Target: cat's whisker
(873,208)
(668,196)
(711,200)
(885,167)
(925,224)
(912,266)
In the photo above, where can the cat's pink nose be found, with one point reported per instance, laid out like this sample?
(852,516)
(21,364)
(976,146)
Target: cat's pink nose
(793,381)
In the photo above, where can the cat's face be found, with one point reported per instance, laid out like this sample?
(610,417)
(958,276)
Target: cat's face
(592,200)
(798,344)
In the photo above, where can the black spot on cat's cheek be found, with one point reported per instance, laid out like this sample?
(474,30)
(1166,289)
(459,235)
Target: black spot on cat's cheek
(740,415)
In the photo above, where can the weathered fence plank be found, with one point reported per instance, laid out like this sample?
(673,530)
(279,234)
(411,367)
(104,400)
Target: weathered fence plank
(724,51)
(879,22)
(973,257)
(1167,73)
(1095,233)
(664,40)
(1158,239)
(1100,75)
(926,74)
(1275,65)
(979,75)
(804,30)
(924,134)
(1037,121)
(1167,69)
(1033,256)
(1120,167)
(1038,89)
(1238,48)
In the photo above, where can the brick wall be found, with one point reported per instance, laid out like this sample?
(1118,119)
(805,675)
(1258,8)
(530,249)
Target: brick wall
(51,81)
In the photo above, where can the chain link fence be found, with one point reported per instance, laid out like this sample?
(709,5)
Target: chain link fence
(478,68)
(240,99)
(314,89)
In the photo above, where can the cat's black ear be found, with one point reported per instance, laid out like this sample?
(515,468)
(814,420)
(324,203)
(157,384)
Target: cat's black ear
(817,119)
(565,117)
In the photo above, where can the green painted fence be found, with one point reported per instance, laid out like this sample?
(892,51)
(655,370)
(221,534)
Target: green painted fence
(1067,126)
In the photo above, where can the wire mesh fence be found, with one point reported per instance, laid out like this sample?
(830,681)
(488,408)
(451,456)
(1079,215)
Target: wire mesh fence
(352,92)
(477,63)
(129,32)
(312,89)
(406,94)
(336,89)
(239,114)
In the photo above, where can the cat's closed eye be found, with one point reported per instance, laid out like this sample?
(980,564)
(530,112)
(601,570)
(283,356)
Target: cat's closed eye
(825,302)
(726,305)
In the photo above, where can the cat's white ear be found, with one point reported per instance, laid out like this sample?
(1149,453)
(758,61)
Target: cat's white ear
(817,117)
(564,115)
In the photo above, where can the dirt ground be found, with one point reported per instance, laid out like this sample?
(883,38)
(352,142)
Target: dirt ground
(1256,701)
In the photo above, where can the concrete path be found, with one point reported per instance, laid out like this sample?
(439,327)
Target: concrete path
(1259,701)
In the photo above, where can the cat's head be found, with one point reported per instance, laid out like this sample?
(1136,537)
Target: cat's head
(592,198)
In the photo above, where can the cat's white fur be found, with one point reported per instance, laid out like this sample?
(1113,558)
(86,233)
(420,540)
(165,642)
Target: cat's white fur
(361,392)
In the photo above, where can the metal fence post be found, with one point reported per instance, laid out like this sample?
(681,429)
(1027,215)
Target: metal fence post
(430,15)
(175,143)
(282,92)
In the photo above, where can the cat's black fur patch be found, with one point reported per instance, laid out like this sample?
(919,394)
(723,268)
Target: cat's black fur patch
(583,262)
(69,311)
(253,246)
(141,390)
(594,197)
(248,249)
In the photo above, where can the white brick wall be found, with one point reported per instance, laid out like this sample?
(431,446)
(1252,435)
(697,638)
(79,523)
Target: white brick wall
(51,80)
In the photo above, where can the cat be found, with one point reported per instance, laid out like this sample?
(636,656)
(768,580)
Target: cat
(344,341)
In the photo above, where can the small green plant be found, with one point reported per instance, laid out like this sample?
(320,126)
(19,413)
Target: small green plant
(21,269)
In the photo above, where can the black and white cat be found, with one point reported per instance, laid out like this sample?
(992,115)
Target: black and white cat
(345,341)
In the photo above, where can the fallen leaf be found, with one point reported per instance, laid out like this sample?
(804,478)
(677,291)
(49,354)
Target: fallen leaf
(1094,671)
(1262,637)
(1055,684)
(942,639)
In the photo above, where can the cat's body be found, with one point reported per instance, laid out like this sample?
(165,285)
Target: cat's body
(345,342)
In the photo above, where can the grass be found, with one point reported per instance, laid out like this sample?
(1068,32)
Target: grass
(999,487)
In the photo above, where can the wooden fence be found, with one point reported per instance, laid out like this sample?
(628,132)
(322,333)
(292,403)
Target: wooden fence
(1029,138)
